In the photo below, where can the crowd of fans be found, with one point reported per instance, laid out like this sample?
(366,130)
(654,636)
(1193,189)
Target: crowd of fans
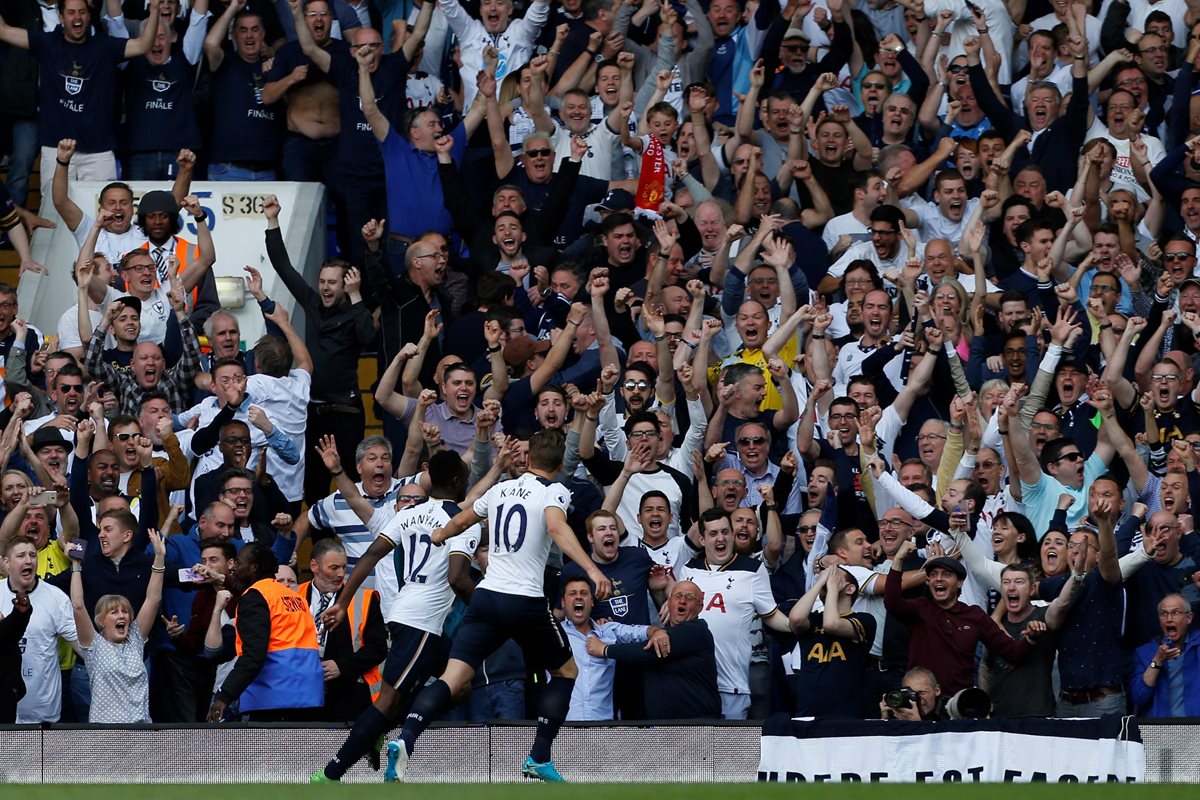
(869,328)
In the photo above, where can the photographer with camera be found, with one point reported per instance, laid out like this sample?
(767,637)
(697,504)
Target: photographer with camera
(919,699)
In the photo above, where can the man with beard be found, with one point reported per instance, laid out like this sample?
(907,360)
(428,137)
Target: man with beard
(509,239)
(944,631)
(66,395)
(683,680)
(738,591)
(1025,689)
(78,79)
(236,489)
(51,618)
(337,328)
(310,146)
(887,249)
(638,390)
(1166,673)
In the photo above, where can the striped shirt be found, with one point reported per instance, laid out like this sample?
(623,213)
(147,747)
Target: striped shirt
(333,514)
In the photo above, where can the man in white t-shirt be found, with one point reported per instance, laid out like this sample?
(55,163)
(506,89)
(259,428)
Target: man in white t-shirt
(51,617)
(736,590)
(946,216)
(854,226)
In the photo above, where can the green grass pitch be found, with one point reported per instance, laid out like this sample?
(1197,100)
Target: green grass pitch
(675,791)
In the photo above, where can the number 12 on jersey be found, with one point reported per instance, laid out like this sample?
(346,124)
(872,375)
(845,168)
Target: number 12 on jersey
(505,537)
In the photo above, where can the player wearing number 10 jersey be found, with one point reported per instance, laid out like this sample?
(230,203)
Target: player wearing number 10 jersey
(523,515)
(432,576)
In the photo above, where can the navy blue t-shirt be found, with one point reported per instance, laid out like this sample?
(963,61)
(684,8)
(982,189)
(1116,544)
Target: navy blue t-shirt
(244,129)
(358,150)
(290,56)
(160,113)
(77,89)
(1090,654)
(630,574)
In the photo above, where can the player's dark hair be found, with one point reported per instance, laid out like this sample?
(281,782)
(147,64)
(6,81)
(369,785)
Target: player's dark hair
(654,494)
(448,475)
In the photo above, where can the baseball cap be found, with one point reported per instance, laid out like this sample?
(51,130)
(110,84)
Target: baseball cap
(616,200)
(522,348)
(129,301)
(47,436)
(1189,281)
(947,563)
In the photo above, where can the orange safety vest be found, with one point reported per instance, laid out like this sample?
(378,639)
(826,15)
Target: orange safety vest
(356,618)
(184,252)
(291,676)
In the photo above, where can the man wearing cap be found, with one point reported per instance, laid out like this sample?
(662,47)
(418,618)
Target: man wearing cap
(533,363)
(158,216)
(51,448)
(943,631)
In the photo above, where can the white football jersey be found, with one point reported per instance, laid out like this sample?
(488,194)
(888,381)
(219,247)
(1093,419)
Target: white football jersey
(519,540)
(733,596)
(425,596)
(673,554)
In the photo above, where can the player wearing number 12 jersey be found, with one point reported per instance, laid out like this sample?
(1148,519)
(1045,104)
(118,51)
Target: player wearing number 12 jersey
(432,576)
(523,515)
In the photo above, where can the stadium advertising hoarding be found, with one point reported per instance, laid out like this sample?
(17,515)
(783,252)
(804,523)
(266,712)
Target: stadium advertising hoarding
(1106,750)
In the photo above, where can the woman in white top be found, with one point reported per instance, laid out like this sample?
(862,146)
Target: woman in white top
(115,646)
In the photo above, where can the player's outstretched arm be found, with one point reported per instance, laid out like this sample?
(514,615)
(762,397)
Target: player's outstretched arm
(564,537)
(462,520)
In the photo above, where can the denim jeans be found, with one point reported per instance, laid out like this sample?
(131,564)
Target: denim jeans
(502,700)
(20,161)
(1104,707)
(232,172)
(155,166)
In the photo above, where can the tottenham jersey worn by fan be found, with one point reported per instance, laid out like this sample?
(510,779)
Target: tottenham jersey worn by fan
(426,597)
(520,540)
(734,595)
(52,617)
(672,554)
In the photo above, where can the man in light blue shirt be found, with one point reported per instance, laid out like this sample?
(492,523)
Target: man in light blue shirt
(592,697)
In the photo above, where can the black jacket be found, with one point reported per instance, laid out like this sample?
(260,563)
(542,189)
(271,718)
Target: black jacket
(1056,149)
(347,695)
(12,686)
(684,684)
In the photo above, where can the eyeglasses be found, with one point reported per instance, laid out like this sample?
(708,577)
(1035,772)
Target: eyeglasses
(894,523)
(635,385)
(731,482)
(1162,48)
(238,490)
(1076,456)
(861,281)
(691,598)
(883,232)
(124,437)
(807,529)
(1078,545)
(674,337)
(740,160)
(234,440)
(139,267)
(1160,378)
(958,69)
(1172,613)
(411,498)
(1043,426)
(874,85)
(540,152)
(748,440)
(439,256)
(842,417)
(1132,82)
(989,464)
(1098,288)
(929,437)
(643,434)
(71,388)
(8,304)
(1176,256)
